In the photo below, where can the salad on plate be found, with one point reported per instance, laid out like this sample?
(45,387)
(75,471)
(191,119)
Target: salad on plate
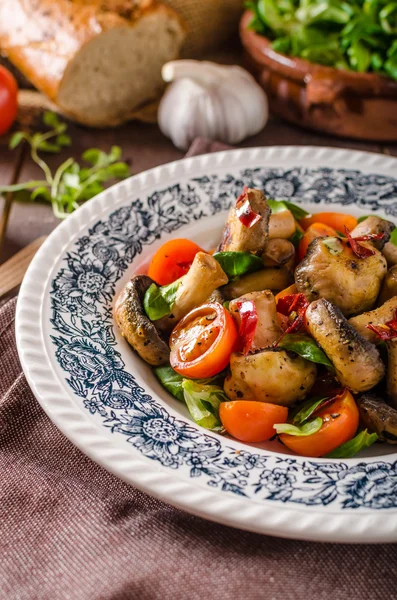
(286,331)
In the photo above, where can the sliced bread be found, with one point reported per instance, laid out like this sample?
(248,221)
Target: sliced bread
(97,64)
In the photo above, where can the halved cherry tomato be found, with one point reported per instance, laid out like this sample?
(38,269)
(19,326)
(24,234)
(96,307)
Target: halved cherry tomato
(340,423)
(172,260)
(251,421)
(202,342)
(314,231)
(8,99)
(333,219)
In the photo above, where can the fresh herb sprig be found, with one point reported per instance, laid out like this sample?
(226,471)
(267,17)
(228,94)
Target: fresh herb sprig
(71,184)
(359,35)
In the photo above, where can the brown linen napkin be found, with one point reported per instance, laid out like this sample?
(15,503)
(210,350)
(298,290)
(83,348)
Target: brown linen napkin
(71,530)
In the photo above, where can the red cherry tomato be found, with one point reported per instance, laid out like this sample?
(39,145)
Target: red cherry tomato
(202,342)
(340,423)
(8,100)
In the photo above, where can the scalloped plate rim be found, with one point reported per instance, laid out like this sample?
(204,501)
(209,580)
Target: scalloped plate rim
(279,520)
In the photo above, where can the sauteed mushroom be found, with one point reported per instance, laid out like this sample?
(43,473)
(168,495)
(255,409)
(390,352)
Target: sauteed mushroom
(203,278)
(389,286)
(357,362)
(236,237)
(273,375)
(331,270)
(274,278)
(268,329)
(278,252)
(378,316)
(378,417)
(135,326)
(374,225)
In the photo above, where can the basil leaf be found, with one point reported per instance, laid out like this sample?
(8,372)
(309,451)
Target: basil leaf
(203,403)
(296,238)
(158,301)
(235,264)
(352,447)
(279,205)
(170,380)
(303,430)
(306,410)
(306,347)
(297,211)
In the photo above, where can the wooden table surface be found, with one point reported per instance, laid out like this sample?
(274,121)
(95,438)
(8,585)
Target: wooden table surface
(144,147)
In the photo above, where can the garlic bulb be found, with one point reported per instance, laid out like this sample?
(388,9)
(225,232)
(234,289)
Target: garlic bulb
(214,101)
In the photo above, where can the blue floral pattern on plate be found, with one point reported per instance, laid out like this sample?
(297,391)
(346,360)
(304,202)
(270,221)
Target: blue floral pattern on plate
(86,347)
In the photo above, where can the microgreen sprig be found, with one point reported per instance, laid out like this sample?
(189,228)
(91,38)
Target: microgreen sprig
(71,184)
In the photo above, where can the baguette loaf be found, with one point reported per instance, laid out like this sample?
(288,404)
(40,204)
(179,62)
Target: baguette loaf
(98,60)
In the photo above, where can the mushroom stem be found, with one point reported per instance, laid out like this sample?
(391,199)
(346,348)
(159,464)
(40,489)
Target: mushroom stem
(204,276)
(274,279)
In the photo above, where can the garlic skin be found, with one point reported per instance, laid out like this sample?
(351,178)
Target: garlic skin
(205,99)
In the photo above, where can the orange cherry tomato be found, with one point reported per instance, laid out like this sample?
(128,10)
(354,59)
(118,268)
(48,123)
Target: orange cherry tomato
(172,260)
(202,342)
(251,421)
(333,219)
(8,99)
(314,231)
(340,423)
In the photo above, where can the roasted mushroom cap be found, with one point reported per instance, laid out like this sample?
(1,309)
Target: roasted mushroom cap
(278,252)
(357,362)
(389,286)
(378,417)
(268,329)
(337,274)
(374,225)
(272,375)
(378,316)
(134,324)
(236,237)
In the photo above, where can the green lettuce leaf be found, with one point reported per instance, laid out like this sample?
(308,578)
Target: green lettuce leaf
(279,205)
(203,403)
(304,430)
(352,447)
(170,380)
(305,410)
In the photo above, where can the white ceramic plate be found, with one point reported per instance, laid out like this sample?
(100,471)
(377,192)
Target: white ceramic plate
(106,400)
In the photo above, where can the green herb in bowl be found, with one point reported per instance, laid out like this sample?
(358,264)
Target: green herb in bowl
(357,35)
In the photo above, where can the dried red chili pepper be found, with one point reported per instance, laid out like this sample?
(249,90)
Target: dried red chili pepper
(358,249)
(385,332)
(248,324)
(244,212)
(290,305)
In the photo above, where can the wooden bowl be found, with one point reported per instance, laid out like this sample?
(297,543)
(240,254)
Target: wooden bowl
(342,103)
